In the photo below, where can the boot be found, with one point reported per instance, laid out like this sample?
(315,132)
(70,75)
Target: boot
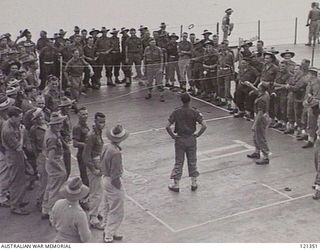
(316,196)
(194,185)
(263,161)
(128,81)
(255,155)
(117,81)
(174,187)
(110,82)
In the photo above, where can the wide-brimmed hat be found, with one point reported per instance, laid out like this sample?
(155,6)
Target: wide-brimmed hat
(246,43)
(173,35)
(36,113)
(270,53)
(229,10)
(206,32)
(123,29)
(117,134)
(62,32)
(65,101)
(114,31)
(163,24)
(197,41)
(287,52)
(74,189)
(313,69)
(5,101)
(12,91)
(104,29)
(274,51)
(56,118)
(24,32)
(4,36)
(94,30)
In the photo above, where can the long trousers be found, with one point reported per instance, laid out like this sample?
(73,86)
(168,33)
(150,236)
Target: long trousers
(316,161)
(290,108)
(43,176)
(82,168)
(113,207)
(185,145)
(185,71)
(210,82)
(259,135)
(313,115)
(17,177)
(280,106)
(55,182)
(103,60)
(173,68)
(243,100)
(136,59)
(4,178)
(196,73)
(95,194)
(115,61)
(298,110)
(224,84)
(153,73)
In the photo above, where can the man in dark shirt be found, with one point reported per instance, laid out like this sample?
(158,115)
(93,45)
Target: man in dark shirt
(172,53)
(124,37)
(313,23)
(115,57)
(91,158)
(185,120)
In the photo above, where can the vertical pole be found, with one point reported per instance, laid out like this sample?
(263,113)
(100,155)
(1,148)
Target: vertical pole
(295,30)
(61,74)
(181,31)
(312,56)
(259,29)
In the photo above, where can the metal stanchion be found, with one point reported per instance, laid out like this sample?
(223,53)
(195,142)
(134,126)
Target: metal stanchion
(295,30)
(312,56)
(218,29)
(61,74)
(181,31)
(259,29)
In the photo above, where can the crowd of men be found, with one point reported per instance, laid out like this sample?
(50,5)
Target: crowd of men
(41,82)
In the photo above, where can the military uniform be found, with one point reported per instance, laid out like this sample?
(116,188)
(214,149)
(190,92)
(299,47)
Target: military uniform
(48,58)
(11,140)
(185,53)
(209,75)
(115,58)
(123,54)
(103,47)
(185,120)
(261,123)
(163,42)
(75,69)
(241,97)
(66,139)
(173,67)
(197,67)
(4,171)
(91,157)
(225,74)
(37,134)
(134,55)
(52,100)
(153,59)
(55,168)
(90,55)
(80,134)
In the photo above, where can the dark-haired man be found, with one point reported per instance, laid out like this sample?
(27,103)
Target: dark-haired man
(91,158)
(185,120)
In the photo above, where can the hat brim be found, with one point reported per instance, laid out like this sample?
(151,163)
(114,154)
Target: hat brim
(126,30)
(117,139)
(94,31)
(58,121)
(9,102)
(176,37)
(207,33)
(114,32)
(284,53)
(270,54)
(250,44)
(66,104)
(74,197)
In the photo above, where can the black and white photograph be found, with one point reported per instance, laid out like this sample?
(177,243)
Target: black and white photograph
(172,121)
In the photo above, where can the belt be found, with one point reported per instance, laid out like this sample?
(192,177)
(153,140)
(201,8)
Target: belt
(115,52)
(224,68)
(48,62)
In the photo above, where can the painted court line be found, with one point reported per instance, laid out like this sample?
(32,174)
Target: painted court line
(226,155)
(277,191)
(243,212)
(150,213)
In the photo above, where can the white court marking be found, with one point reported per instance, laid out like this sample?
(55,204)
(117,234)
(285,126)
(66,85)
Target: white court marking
(277,191)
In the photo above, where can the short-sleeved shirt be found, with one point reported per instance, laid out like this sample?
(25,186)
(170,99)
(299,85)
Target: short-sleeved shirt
(185,46)
(152,55)
(102,44)
(37,137)
(115,44)
(185,120)
(134,44)
(70,221)
(89,52)
(66,129)
(93,147)
(111,162)
(11,136)
(314,15)
(80,133)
